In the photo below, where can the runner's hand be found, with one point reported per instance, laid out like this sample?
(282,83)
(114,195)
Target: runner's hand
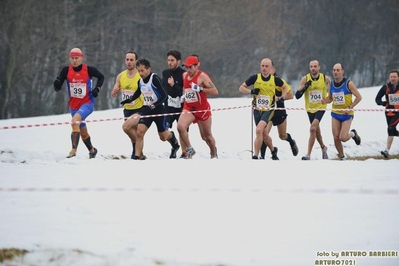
(128,100)
(196,88)
(307,84)
(95,92)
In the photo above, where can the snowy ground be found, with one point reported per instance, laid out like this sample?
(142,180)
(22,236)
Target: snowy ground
(232,211)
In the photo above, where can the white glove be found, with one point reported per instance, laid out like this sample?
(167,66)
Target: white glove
(195,87)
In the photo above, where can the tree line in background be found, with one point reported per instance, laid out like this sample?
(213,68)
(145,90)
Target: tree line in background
(230,37)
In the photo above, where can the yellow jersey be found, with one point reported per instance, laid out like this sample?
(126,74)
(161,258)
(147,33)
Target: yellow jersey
(315,93)
(128,87)
(267,91)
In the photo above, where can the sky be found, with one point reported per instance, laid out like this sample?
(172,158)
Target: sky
(228,212)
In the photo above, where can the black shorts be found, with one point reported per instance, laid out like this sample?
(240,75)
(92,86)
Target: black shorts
(128,113)
(263,115)
(279,117)
(318,115)
(157,116)
(174,117)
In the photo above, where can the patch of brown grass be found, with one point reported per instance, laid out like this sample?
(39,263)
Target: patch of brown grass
(363,158)
(11,253)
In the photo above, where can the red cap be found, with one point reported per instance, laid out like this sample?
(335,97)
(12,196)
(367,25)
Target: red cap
(75,54)
(191,60)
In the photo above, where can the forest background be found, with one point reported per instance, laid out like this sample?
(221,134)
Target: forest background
(230,37)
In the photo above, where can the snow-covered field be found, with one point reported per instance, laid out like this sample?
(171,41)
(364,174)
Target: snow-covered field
(200,212)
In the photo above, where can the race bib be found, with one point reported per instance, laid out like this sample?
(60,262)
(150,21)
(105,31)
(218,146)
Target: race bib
(393,99)
(78,90)
(263,102)
(149,97)
(315,96)
(174,102)
(190,96)
(126,95)
(339,98)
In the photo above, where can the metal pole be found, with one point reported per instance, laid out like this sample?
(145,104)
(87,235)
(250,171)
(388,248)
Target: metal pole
(252,131)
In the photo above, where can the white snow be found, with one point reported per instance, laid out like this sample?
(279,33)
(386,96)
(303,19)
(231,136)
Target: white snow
(199,212)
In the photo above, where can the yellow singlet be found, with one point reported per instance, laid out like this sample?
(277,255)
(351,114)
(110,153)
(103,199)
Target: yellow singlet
(128,87)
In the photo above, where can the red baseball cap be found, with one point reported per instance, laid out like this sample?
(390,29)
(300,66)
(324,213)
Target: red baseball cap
(191,60)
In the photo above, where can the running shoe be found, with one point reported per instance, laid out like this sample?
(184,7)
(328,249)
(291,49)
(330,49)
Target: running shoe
(174,150)
(356,138)
(93,154)
(324,152)
(294,148)
(190,152)
(385,153)
(274,154)
(71,154)
(135,157)
(216,156)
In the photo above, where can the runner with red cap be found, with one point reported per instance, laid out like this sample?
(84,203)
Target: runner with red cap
(196,109)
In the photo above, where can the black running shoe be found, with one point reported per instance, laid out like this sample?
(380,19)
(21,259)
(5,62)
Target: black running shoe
(356,138)
(385,153)
(173,151)
(135,157)
(294,148)
(93,154)
(274,154)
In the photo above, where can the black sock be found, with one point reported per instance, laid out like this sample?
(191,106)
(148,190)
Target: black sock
(88,144)
(289,139)
(263,150)
(75,136)
(173,140)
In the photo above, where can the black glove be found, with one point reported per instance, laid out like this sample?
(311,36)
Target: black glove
(57,84)
(280,99)
(95,92)
(307,84)
(255,91)
(383,103)
(298,94)
(128,100)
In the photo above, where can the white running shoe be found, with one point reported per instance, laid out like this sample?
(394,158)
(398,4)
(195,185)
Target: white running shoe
(324,152)
(190,152)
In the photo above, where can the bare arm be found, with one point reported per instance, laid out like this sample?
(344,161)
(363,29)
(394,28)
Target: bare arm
(289,95)
(328,81)
(301,89)
(244,89)
(302,83)
(284,91)
(207,84)
(285,94)
(329,96)
(358,97)
(117,87)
